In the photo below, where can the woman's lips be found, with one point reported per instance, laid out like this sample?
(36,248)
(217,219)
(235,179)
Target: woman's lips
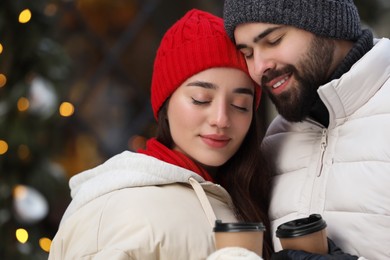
(215,141)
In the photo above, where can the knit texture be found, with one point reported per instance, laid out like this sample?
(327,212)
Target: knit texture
(196,42)
(337,19)
(157,150)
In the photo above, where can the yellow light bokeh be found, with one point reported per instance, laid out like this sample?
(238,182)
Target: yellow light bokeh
(3,147)
(23,104)
(3,80)
(1,48)
(66,109)
(22,235)
(45,244)
(25,16)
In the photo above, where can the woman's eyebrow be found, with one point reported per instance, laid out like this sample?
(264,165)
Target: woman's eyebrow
(209,85)
(247,91)
(202,84)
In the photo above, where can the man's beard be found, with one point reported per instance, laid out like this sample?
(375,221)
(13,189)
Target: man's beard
(311,72)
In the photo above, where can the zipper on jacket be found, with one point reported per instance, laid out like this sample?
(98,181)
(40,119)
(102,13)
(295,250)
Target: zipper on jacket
(324,143)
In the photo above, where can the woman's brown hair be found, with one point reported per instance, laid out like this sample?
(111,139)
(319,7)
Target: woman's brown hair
(246,176)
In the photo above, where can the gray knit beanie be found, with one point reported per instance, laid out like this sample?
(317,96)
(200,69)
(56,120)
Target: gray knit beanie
(329,18)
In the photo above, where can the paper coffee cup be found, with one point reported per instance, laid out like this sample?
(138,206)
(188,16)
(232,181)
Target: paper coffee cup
(307,234)
(241,234)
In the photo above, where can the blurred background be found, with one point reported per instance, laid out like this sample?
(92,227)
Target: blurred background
(74,90)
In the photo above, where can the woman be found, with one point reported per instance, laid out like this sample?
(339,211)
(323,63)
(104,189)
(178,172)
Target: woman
(161,203)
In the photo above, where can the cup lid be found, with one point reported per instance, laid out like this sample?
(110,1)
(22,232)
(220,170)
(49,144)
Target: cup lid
(238,227)
(301,227)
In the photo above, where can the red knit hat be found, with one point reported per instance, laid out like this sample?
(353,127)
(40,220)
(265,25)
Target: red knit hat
(196,42)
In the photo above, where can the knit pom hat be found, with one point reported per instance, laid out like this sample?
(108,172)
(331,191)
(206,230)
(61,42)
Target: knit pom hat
(196,42)
(337,19)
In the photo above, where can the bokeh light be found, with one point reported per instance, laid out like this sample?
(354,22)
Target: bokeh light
(23,152)
(3,147)
(3,80)
(23,104)
(45,244)
(50,9)
(25,16)
(22,235)
(66,109)
(137,142)
(20,191)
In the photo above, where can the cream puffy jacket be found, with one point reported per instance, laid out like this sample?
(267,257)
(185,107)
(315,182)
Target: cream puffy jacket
(341,172)
(137,207)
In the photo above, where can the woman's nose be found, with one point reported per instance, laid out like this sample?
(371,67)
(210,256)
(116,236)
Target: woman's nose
(220,116)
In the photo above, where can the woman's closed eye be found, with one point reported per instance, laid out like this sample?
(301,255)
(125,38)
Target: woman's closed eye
(200,102)
(240,108)
(206,102)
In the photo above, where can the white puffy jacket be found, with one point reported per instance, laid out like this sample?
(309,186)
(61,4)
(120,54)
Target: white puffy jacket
(341,172)
(137,207)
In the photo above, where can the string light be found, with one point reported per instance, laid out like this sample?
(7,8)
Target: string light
(3,147)
(66,109)
(3,80)
(45,244)
(22,235)
(23,104)
(25,16)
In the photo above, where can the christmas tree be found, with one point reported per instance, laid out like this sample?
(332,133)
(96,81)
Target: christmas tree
(33,69)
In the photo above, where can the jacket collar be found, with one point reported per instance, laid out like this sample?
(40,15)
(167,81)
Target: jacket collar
(363,45)
(124,170)
(344,96)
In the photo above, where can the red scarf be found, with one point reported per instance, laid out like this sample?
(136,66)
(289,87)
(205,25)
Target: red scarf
(158,150)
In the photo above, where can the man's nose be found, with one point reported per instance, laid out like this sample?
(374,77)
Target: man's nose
(262,63)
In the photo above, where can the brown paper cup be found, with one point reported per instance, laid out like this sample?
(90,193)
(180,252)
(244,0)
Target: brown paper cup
(307,234)
(246,235)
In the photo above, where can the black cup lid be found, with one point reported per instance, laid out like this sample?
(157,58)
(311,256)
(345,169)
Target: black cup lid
(238,227)
(301,227)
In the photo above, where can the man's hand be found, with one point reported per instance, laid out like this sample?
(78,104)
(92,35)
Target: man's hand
(335,253)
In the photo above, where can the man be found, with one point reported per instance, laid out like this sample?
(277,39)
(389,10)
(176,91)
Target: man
(329,80)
